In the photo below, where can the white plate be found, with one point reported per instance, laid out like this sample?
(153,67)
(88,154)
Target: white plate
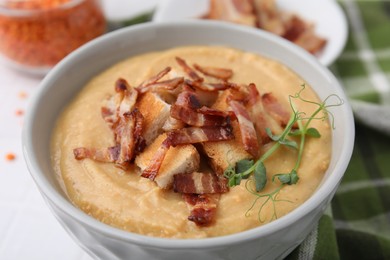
(327,15)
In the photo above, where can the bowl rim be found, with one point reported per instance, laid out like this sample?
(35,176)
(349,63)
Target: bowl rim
(61,203)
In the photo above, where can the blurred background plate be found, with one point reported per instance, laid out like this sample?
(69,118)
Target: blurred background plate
(327,16)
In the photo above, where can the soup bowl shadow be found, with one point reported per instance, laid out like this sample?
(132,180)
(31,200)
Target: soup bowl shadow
(271,241)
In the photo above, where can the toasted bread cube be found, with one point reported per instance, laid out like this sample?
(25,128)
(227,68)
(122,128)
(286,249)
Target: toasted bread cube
(179,159)
(155,112)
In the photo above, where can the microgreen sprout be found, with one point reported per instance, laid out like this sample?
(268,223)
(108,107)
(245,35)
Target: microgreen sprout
(298,126)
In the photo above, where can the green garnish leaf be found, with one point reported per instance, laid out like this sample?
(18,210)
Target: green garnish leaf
(294,177)
(313,132)
(283,177)
(260,176)
(243,165)
(287,178)
(271,135)
(237,179)
(232,181)
(295,132)
(289,143)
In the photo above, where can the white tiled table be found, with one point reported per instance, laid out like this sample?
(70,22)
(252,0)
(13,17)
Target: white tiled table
(28,230)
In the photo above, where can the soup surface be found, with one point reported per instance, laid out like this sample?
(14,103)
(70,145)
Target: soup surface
(120,197)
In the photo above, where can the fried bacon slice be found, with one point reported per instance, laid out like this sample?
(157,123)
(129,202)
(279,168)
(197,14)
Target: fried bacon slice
(123,101)
(169,84)
(193,135)
(275,109)
(198,82)
(310,41)
(172,124)
(209,87)
(187,69)
(154,79)
(247,129)
(203,208)
(129,136)
(269,17)
(110,154)
(129,143)
(188,109)
(199,183)
(236,11)
(218,73)
(266,112)
(152,170)
(126,122)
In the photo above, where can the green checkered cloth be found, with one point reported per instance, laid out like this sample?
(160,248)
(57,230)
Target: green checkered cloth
(357,225)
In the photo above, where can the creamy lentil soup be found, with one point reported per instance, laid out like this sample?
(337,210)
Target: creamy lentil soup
(117,194)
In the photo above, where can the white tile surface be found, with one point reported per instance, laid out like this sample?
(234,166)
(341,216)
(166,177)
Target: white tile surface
(27,228)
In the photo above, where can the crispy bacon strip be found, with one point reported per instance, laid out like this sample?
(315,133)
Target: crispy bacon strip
(126,122)
(169,84)
(129,136)
(128,102)
(110,154)
(275,109)
(269,17)
(294,28)
(219,73)
(258,114)
(237,11)
(172,124)
(187,69)
(123,101)
(154,79)
(188,109)
(310,41)
(247,129)
(192,135)
(203,208)
(215,112)
(266,112)
(155,163)
(210,87)
(109,109)
(199,183)
(195,118)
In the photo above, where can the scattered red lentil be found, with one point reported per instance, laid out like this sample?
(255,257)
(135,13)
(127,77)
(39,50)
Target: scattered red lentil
(40,33)
(10,156)
(22,94)
(19,112)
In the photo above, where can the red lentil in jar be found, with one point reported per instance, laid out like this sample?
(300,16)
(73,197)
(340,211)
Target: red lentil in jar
(39,33)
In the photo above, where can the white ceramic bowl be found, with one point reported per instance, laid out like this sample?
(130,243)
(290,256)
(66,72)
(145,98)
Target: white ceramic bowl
(273,240)
(327,16)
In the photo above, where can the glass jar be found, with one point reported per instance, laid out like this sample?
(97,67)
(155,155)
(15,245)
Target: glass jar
(37,34)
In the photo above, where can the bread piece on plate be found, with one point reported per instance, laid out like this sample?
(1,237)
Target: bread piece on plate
(179,159)
(155,111)
(223,154)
